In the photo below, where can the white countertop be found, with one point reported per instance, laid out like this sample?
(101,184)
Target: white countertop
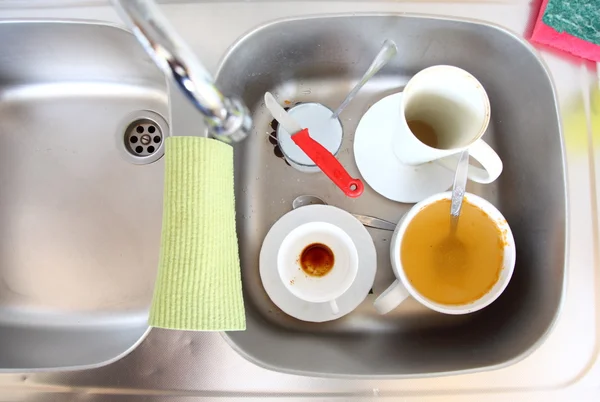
(202,364)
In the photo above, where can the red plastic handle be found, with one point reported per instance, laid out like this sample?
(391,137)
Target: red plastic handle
(328,164)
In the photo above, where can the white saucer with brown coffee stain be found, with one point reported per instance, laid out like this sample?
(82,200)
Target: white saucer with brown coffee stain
(351,298)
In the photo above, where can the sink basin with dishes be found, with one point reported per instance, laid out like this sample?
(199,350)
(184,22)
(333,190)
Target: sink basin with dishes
(83,118)
(319,59)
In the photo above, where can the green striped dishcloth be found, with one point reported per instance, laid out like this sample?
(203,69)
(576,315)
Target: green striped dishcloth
(199,283)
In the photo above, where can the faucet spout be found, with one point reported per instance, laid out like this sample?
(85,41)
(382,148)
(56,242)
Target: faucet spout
(227,118)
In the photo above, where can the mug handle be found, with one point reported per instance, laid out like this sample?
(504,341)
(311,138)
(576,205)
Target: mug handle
(334,307)
(391,298)
(486,156)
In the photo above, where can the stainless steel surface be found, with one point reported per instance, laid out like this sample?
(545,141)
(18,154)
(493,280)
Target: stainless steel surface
(191,366)
(386,53)
(278,112)
(317,60)
(80,223)
(368,221)
(227,118)
(458,188)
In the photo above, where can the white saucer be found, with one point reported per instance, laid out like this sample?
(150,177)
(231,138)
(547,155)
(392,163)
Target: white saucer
(380,167)
(317,312)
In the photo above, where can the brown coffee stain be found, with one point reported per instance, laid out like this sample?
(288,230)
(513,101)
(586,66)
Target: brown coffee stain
(317,259)
(452,270)
(424,132)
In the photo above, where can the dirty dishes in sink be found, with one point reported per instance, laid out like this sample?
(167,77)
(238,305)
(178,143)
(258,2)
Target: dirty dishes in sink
(324,216)
(319,147)
(445,110)
(442,111)
(380,167)
(453,275)
(317,262)
(323,129)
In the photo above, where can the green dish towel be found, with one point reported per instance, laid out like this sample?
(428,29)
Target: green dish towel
(199,283)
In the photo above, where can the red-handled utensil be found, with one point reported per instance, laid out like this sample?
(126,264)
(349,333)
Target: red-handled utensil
(328,164)
(321,157)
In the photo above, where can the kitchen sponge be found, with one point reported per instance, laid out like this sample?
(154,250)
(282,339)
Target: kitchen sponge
(570,25)
(579,18)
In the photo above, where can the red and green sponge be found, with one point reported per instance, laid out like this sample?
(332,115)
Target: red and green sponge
(570,25)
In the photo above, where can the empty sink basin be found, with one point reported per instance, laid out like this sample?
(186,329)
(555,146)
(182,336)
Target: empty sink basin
(320,59)
(81,109)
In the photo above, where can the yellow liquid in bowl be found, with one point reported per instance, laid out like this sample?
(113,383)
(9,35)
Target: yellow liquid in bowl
(452,269)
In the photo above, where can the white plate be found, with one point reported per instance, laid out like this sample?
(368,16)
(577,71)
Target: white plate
(317,312)
(380,167)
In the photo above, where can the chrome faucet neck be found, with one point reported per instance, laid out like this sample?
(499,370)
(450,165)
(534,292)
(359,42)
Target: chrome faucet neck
(227,119)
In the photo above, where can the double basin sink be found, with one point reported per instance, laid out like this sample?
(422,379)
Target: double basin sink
(81,207)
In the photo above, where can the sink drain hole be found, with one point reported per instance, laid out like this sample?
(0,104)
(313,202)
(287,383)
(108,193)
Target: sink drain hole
(141,137)
(139,132)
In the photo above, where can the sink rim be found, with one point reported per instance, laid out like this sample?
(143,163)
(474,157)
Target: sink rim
(565,191)
(65,21)
(80,367)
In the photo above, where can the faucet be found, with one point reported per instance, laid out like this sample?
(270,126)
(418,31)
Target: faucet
(227,118)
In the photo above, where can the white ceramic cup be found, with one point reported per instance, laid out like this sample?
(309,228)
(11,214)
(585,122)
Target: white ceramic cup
(456,106)
(322,128)
(332,285)
(402,288)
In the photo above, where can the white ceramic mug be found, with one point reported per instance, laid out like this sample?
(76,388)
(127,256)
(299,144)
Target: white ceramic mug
(332,285)
(456,106)
(402,288)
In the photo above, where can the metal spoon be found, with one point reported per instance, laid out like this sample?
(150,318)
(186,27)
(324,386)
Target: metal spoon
(451,250)
(387,52)
(369,221)
(458,189)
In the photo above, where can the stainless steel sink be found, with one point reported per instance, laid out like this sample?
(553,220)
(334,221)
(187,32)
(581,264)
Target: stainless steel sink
(80,215)
(320,59)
